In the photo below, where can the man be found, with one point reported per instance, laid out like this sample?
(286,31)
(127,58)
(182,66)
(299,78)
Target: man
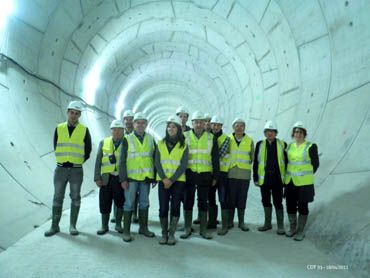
(72,145)
(107,179)
(207,118)
(202,173)
(268,173)
(136,174)
(183,114)
(128,122)
(223,142)
(241,153)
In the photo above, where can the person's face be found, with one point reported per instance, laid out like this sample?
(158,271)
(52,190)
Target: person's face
(239,129)
(208,125)
(117,133)
(172,129)
(216,128)
(298,135)
(183,117)
(73,116)
(128,121)
(270,134)
(140,126)
(198,125)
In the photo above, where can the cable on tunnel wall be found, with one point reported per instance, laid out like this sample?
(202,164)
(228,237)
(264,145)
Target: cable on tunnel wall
(6,58)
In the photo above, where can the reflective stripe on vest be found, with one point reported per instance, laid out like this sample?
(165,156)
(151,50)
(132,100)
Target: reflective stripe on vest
(109,149)
(262,156)
(139,162)
(299,169)
(240,155)
(170,161)
(200,151)
(224,161)
(70,148)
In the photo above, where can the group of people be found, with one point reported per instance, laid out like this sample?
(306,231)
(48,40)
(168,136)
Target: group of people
(201,161)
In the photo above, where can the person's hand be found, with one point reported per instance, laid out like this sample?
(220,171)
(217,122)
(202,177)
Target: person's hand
(99,183)
(167,183)
(256,183)
(124,185)
(214,182)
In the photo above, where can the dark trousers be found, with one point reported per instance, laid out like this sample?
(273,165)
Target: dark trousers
(272,186)
(172,195)
(294,201)
(237,193)
(108,193)
(221,187)
(200,182)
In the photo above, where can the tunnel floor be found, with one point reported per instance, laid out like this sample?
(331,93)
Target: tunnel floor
(238,254)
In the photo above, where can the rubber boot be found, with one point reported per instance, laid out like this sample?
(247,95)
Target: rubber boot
(113,220)
(118,227)
(231,218)
(55,218)
(104,224)
(188,215)
(127,226)
(171,235)
(164,226)
(267,225)
(143,223)
(135,218)
(293,225)
(225,222)
(197,221)
(73,220)
(280,222)
(212,217)
(302,220)
(242,225)
(203,225)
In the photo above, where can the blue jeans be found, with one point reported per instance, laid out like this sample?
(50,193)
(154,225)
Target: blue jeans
(134,187)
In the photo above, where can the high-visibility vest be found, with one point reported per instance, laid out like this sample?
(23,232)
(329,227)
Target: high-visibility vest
(170,161)
(299,169)
(200,151)
(262,157)
(70,148)
(224,161)
(108,149)
(240,155)
(140,157)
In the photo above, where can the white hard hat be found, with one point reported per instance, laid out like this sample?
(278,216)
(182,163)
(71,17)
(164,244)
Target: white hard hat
(217,120)
(270,125)
(140,116)
(207,116)
(116,124)
(128,113)
(197,115)
(238,120)
(299,124)
(182,109)
(174,119)
(75,105)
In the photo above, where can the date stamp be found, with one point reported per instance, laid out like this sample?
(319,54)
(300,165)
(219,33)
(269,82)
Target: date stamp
(330,267)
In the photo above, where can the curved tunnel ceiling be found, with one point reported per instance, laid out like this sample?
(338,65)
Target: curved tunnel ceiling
(259,60)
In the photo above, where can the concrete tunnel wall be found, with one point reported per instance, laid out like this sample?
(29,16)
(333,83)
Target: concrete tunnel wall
(270,59)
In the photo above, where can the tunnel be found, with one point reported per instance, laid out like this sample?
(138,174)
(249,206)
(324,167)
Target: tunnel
(281,60)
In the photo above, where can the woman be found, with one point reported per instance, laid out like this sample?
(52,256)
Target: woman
(171,161)
(303,161)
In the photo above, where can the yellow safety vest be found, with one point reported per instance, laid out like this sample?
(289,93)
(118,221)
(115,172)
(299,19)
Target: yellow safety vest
(140,157)
(224,161)
(170,161)
(300,169)
(70,148)
(109,149)
(262,156)
(240,156)
(200,151)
